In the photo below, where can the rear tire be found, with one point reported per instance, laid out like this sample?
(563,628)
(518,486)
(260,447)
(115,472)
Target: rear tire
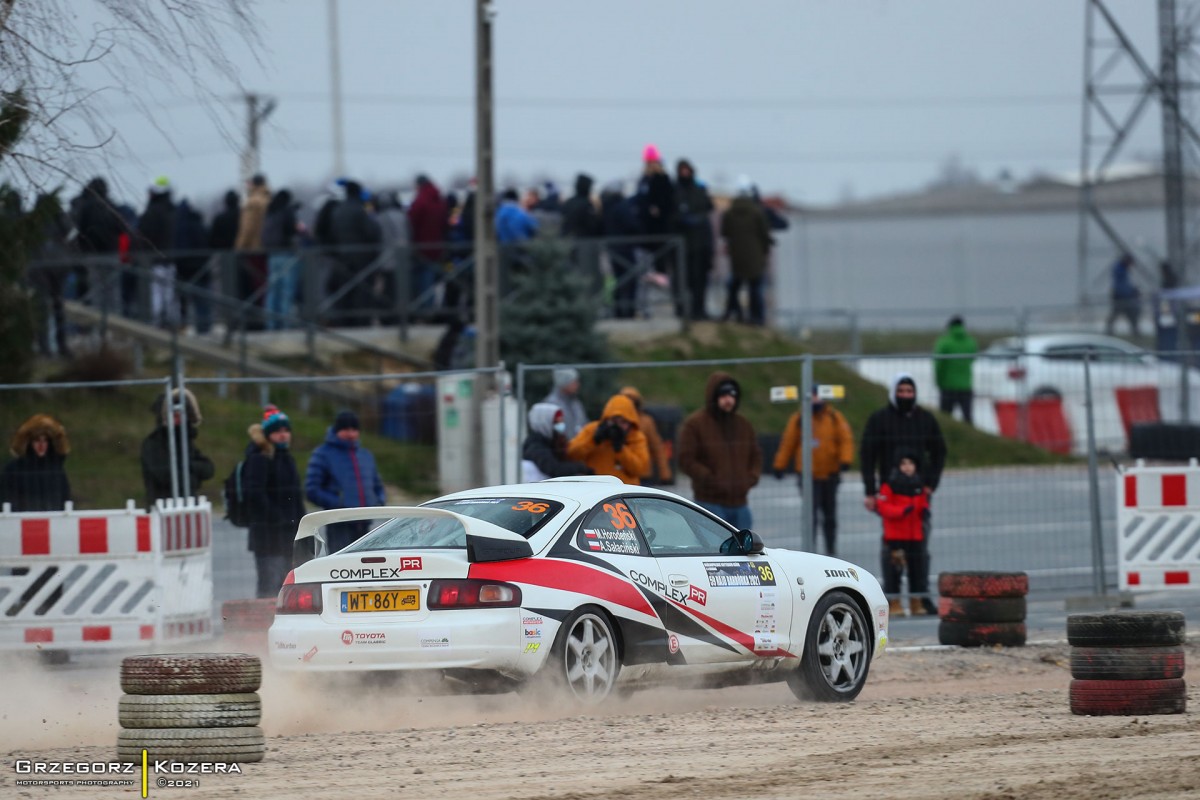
(585,659)
(837,652)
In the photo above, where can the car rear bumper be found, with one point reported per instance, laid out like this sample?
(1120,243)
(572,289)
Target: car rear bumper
(477,638)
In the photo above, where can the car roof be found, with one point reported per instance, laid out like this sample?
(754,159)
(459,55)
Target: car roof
(583,489)
(1038,343)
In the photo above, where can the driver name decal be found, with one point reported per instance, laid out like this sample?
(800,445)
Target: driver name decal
(739,573)
(623,542)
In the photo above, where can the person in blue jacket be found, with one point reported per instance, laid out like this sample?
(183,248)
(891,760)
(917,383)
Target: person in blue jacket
(342,474)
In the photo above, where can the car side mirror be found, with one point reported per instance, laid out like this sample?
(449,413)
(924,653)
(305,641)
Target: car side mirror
(750,542)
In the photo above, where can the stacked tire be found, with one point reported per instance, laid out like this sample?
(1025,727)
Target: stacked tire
(191,707)
(246,622)
(1127,663)
(982,608)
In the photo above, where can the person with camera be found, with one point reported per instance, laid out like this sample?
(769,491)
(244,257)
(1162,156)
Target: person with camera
(615,444)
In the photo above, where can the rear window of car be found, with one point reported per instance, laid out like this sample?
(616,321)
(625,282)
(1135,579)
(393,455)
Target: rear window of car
(413,532)
(521,515)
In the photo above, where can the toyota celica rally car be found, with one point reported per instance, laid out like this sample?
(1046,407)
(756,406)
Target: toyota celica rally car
(585,583)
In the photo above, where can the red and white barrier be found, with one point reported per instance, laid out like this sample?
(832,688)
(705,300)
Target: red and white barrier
(106,579)
(1158,527)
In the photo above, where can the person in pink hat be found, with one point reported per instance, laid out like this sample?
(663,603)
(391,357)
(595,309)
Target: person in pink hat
(656,205)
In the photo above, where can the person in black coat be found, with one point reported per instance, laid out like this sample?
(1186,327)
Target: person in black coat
(354,230)
(274,497)
(620,219)
(35,480)
(902,428)
(156,450)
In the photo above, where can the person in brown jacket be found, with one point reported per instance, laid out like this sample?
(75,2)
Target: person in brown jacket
(615,444)
(832,454)
(254,214)
(719,451)
(660,458)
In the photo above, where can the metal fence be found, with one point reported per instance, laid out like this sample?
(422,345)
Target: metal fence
(1029,486)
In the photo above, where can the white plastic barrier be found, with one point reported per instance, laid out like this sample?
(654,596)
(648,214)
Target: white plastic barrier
(106,579)
(1158,527)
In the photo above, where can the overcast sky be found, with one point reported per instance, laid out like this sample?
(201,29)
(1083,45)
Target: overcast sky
(815,99)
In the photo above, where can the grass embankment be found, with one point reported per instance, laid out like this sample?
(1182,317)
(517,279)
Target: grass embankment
(685,387)
(106,429)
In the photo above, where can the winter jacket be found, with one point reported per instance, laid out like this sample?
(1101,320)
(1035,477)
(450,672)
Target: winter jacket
(660,458)
(156,226)
(833,444)
(545,448)
(37,483)
(719,451)
(274,498)
(250,226)
(630,462)
(656,204)
(744,228)
(343,475)
(1123,287)
(904,506)
(224,230)
(279,227)
(889,433)
(580,217)
(954,374)
(428,219)
(156,464)
(354,228)
(514,224)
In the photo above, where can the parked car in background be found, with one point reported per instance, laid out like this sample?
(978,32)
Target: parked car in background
(1050,368)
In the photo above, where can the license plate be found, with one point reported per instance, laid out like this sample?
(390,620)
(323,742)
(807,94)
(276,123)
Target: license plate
(383,600)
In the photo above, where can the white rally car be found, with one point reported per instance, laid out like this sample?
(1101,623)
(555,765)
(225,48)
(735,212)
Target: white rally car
(585,583)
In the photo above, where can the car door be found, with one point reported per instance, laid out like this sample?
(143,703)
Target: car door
(728,606)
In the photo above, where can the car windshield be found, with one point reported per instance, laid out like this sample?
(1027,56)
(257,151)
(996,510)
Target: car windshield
(403,533)
(521,515)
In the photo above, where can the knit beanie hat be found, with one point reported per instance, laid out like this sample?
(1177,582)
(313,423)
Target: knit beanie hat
(344,420)
(273,420)
(564,376)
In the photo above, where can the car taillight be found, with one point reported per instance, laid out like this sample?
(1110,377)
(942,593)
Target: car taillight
(470,593)
(299,598)
(1016,372)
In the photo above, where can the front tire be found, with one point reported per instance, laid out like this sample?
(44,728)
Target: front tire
(585,658)
(837,652)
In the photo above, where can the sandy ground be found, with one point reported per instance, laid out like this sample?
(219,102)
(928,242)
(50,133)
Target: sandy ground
(930,724)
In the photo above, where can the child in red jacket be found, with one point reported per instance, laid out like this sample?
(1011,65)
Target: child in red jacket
(904,505)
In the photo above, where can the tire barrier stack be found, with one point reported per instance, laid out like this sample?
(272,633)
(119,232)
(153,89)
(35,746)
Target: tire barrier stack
(982,608)
(246,623)
(1127,663)
(191,707)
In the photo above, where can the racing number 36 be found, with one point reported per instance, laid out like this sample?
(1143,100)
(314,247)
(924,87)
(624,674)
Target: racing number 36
(621,518)
(531,507)
(765,573)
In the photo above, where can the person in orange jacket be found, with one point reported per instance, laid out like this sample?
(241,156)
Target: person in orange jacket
(614,444)
(903,503)
(832,453)
(660,459)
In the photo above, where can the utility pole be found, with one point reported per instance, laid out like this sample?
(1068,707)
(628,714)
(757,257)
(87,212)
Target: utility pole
(335,90)
(1172,123)
(258,108)
(487,300)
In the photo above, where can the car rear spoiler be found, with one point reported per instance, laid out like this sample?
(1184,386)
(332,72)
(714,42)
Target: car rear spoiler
(485,541)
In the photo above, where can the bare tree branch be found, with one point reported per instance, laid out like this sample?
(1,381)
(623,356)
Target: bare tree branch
(67,72)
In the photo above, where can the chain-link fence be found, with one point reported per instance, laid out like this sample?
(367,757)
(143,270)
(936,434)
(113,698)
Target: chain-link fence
(1027,482)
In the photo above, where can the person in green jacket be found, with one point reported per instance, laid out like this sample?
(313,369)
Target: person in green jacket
(954,379)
